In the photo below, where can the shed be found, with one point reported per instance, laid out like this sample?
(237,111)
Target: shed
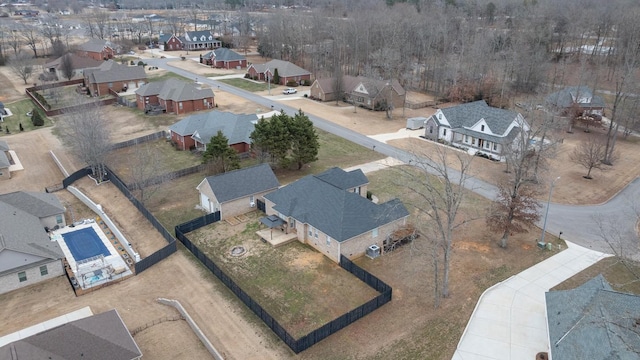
(416,123)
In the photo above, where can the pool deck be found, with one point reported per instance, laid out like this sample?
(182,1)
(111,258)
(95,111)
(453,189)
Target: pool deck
(118,259)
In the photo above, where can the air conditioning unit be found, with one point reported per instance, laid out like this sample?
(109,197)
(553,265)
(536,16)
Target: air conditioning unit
(252,204)
(373,251)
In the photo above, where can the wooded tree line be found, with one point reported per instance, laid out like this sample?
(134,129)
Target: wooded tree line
(460,49)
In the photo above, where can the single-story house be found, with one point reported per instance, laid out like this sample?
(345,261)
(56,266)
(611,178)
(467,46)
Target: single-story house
(111,75)
(195,131)
(102,336)
(78,64)
(97,49)
(235,192)
(200,40)
(331,213)
(170,42)
(476,127)
(593,321)
(361,91)
(5,160)
(286,71)
(175,96)
(576,100)
(27,255)
(224,58)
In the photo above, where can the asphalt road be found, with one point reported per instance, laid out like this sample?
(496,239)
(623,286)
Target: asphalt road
(587,226)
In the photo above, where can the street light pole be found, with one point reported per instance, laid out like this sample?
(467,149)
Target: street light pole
(544,225)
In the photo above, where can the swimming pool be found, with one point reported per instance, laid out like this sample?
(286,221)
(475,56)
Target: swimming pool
(85,243)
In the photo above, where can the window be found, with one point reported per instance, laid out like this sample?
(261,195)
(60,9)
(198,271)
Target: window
(310,231)
(110,85)
(357,190)
(430,129)
(58,219)
(465,139)
(444,132)
(328,240)
(473,141)
(43,270)
(374,232)
(251,198)
(180,105)
(315,234)
(481,127)
(204,101)
(495,147)
(22,276)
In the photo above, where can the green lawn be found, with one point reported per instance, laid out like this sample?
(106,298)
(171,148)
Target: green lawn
(20,110)
(245,84)
(153,77)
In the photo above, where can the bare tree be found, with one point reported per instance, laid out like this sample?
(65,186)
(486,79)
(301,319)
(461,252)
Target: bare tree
(147,169)
(31,37)
(589,154)
(14,41)
(439,193)
(67,66)
(85,131)
(515,209)
(22,65)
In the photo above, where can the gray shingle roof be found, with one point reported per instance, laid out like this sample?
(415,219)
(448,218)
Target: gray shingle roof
(224,54)
(342,179)
(174,89)
(243,182)
(236,127)
(77,62)
(99,337)
(23,232)
(195,36)
(593,322)
(285,68)
(38,204)
(566,97)
(110,71)
(467,115)
(334,211)
(349,83)
(95,45)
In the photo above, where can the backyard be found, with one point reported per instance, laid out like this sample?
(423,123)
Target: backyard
(299,287)
(19,109)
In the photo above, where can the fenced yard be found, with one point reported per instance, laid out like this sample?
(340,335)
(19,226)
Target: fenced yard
(19,109)
(301,288)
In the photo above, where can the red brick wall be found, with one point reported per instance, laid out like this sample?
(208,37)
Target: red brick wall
(184,142)
(173,45)
(141,102)
(241,147)
(230,64)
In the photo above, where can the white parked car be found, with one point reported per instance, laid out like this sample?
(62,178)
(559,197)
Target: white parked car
(289,91)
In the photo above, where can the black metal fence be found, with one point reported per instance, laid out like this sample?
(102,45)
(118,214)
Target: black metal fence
(75,177)
(306,341)
(139,140)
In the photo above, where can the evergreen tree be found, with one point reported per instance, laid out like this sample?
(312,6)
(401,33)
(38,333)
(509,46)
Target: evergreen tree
(304,140)
(219,155)
(276,77)
(37,119)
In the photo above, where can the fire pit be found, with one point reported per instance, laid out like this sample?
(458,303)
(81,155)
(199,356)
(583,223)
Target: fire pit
(238,250)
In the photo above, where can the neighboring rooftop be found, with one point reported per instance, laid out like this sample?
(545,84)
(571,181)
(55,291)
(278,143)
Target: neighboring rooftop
(110,71)
(582,96)
(39,204)
(236,127)
(174,89)
(285,68)
(243,182)
(593,322)
(99,337)
(95,45)
(467,115)
(77,62)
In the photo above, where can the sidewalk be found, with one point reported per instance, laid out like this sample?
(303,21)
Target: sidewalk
(510,321)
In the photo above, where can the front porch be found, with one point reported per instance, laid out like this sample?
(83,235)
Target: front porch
(474,145)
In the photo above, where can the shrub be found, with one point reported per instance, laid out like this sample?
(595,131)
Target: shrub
(132,63)
(292,83)
(306,83)
(306,95)
(37,118)
(141,63)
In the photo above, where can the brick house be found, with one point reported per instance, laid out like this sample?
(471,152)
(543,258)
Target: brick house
(110,75)
(27,255)
(330,212)
(361,91)
(97,49)
(224,58)
(476,127)
(286,71)
(235,192)
(175,96)
(195,131)
(170,42)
